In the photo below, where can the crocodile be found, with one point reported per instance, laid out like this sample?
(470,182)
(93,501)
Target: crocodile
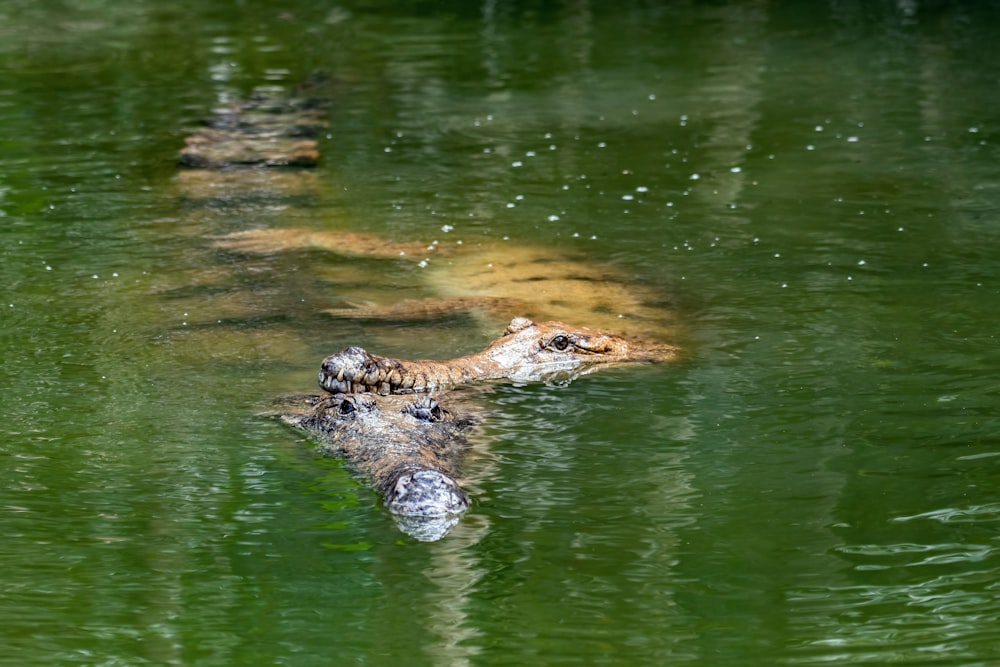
(410,448)
(270,128)
(527,351)
(493,280)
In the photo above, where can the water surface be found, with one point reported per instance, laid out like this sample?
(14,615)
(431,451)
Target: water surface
(810,187)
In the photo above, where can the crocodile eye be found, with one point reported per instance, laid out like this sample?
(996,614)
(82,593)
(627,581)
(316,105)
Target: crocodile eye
(560,343)
(346,407)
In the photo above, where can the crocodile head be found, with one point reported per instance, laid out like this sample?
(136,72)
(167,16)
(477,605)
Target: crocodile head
(409,447)
(526,351)
(548,350)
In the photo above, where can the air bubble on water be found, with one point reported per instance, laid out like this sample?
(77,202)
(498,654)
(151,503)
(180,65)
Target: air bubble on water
(642,188)
(810,147)
(852,140)
(819,128)
(511,204)
(446,228)
(530,154)
(516,163)
(652,96)
(519,197)
(861,262)
(602,144)
(735,170)
(553,218)
(422,264)
(628,197)
(695,177)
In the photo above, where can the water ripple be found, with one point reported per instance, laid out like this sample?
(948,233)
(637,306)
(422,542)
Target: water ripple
(970,514)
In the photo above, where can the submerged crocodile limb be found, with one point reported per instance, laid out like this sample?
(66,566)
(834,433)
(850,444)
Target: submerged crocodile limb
(410,448)
(270,128)
(526,351)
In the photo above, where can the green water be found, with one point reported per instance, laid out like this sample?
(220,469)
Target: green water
(813,187)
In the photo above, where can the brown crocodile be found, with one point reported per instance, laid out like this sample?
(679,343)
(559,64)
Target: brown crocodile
(525,352)
(491,279)
(270,128)
(410,448)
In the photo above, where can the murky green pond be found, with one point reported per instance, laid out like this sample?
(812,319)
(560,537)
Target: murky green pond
(812,188)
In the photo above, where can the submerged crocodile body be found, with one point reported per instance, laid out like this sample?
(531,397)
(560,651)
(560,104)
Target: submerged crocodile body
(525,352)
(270,128)
(410,448)
(494,280)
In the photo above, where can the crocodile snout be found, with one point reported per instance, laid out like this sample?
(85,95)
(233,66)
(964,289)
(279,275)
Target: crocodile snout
(426,493)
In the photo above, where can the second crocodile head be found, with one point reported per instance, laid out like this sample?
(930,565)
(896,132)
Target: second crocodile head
(527,351)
